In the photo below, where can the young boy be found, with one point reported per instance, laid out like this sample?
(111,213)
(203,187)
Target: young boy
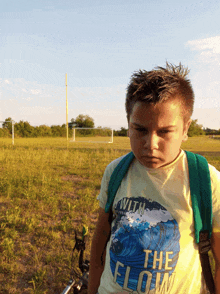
(152,245)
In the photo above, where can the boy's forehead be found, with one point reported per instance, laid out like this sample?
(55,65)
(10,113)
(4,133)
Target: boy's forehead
(165,112)
(172,105)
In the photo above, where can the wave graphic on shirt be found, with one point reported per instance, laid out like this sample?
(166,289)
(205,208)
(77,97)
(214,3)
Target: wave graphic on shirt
(144,247)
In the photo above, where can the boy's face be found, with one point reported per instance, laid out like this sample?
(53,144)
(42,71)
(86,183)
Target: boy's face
(156,132)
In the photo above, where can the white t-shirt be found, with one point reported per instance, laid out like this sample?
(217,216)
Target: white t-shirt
(152,246)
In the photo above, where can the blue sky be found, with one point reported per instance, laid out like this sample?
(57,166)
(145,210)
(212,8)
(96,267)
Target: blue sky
(99,44)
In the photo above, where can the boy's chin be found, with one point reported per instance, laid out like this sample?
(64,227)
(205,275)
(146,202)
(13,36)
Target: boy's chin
(151,163)
(155,162)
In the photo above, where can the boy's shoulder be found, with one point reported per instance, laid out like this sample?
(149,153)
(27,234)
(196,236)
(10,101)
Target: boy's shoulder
(112,165)
(214,175)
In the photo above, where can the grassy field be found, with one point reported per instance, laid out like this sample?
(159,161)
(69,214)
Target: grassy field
(46,192)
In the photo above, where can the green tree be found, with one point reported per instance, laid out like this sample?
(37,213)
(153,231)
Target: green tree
(7,124)
(58,131)
(24,129)
(195,129)
(84,121)
(72,124)
(122,132)
(45,131)
(211,131)
(4,133)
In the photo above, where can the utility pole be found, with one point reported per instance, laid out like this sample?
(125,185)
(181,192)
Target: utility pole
(66,114)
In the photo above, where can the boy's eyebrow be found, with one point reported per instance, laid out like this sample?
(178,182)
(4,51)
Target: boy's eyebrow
(137,125)
(140,126)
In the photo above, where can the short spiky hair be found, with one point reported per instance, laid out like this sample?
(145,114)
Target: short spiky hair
(159,85)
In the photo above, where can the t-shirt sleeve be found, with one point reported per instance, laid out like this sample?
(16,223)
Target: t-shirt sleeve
(215,182)
(103,195)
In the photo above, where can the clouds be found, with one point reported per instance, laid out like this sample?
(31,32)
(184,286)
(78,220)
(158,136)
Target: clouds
(7,82)
(20,88)
(35,91)
(206,79)
(207,51)
(36,110)
(31,101)
(210,45)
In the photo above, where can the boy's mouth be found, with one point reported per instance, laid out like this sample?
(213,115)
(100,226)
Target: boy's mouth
(149,157)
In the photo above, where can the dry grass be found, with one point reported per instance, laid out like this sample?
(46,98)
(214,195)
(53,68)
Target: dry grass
(46,192)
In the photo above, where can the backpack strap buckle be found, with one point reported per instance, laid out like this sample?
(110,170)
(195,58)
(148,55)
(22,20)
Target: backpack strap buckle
(204,242)
(204,247)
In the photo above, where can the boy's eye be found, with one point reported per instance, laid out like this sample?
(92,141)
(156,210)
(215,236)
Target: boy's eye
(143,130)
(165,131)
(140,129)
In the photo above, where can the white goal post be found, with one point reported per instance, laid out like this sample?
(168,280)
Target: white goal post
(109,137)
(13,122)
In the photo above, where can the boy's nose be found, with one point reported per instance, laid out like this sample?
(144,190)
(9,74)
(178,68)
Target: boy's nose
(151,141)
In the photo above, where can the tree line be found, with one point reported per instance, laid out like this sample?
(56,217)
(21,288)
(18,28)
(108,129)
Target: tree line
(24,129)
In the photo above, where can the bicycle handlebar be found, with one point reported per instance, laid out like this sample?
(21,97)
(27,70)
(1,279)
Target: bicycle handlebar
(83,265)
(83,281)
(69,286)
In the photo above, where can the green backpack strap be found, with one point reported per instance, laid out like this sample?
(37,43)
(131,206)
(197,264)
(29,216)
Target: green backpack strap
(116,178)
(201,196)
(201,193)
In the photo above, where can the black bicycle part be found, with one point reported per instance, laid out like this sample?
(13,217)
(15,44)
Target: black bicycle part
(83,266)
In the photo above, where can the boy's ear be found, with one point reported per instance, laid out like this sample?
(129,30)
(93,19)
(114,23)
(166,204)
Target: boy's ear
(186,128)
(128,133)
(188,124)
